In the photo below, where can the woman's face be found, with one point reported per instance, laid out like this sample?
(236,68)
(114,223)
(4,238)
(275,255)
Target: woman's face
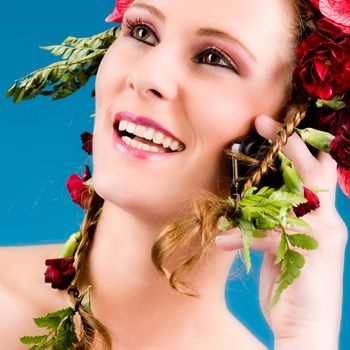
(201,70)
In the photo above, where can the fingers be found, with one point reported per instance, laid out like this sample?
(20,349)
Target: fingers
(317,172)
(232,240)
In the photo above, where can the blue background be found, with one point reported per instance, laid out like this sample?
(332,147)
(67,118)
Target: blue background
(40,146)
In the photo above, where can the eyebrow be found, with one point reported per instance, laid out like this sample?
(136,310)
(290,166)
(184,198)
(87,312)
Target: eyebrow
(201,32)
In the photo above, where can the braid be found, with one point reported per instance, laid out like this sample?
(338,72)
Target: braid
(294,116)
(90,326)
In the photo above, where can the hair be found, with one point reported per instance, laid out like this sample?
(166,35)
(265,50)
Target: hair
(188,239)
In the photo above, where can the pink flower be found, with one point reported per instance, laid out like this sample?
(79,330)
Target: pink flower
(312,203)
(78,191)
(86,139)
(344,180)
(119,10)
(60,272)
(336,12)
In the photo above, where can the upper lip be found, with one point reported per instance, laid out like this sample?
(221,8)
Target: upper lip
(142,120)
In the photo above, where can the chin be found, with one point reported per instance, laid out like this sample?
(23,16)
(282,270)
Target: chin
(140,201)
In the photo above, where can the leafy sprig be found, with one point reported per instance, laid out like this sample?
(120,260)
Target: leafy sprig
(62,334)
(80,60)
(268,209)
(60,324)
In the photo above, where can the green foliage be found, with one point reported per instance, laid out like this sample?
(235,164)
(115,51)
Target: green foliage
(61,336)
(268,209)
(80,60)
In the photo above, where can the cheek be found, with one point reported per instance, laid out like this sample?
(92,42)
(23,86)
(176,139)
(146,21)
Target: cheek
(220,113)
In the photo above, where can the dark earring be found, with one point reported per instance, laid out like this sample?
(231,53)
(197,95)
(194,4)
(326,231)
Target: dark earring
(235,184)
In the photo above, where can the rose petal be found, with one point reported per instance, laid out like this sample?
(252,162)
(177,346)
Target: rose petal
(344,180)
(336,10)
(119,10)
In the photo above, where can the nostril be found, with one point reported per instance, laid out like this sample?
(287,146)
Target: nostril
(156,92)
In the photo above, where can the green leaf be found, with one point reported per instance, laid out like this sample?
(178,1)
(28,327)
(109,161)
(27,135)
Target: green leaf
(80,60)
(53,319)
(259,234)
(66,336)
(292,262)
(282,249)
(34,339)
(293,221)
(302,241)
(336,104)
(247,234)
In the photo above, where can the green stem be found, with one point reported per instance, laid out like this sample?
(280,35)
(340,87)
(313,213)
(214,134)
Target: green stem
(70,246)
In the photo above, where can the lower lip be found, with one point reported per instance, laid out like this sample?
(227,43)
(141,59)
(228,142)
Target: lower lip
(138,153)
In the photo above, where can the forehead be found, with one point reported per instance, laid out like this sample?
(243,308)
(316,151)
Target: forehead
(261,25)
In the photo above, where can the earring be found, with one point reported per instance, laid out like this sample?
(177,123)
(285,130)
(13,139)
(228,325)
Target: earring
(235,184)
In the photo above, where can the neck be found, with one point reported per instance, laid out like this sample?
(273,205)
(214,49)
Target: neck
(129,295)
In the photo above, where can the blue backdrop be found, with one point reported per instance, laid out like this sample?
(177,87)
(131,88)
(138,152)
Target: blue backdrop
(40,145)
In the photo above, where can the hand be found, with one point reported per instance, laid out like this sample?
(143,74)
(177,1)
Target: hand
(308,313)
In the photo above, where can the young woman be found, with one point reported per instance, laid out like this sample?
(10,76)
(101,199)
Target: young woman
(188,78)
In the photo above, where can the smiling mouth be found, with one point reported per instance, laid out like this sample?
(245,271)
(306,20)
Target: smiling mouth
(146,138)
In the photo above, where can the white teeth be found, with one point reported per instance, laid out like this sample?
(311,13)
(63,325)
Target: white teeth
(122,125)
(130,127)
(174,145)
(140,130)
(126,139)
(140,145)
(166,141)
(148,133)
(158,137)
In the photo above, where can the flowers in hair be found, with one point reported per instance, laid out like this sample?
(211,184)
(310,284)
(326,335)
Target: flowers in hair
(79,189)
(119,10)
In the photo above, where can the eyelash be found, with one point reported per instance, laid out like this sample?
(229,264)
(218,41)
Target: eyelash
(132,24)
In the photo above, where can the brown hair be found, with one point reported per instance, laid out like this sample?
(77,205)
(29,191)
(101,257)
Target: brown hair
(197,228)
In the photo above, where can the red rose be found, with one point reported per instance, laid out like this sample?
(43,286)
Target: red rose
(78,191)
(337,123)
(324,65)
(312,203)
(336,12)
(119,10)
(339,149)
(86,139)
(60,272)
(344,180)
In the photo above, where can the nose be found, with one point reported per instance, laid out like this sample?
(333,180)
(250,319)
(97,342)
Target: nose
(153,78)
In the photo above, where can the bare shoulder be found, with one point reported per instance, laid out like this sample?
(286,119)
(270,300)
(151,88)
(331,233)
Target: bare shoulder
(23,293)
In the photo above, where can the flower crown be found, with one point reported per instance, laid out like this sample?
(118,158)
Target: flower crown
(322,74)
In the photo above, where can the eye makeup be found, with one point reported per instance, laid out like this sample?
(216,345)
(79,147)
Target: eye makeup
(214,54)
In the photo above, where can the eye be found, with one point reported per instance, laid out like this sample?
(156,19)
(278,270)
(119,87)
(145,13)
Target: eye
(215,57)
(140,31)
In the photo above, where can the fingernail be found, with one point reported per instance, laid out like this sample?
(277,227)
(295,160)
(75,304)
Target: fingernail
(266,119)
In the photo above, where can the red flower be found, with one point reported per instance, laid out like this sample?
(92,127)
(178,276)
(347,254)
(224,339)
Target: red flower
(344,180)
(119,10)
(335,122)
(336,12)
(339,149)
(324,65)
(60,272)
(86,139)
(78,191)
(312,203)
